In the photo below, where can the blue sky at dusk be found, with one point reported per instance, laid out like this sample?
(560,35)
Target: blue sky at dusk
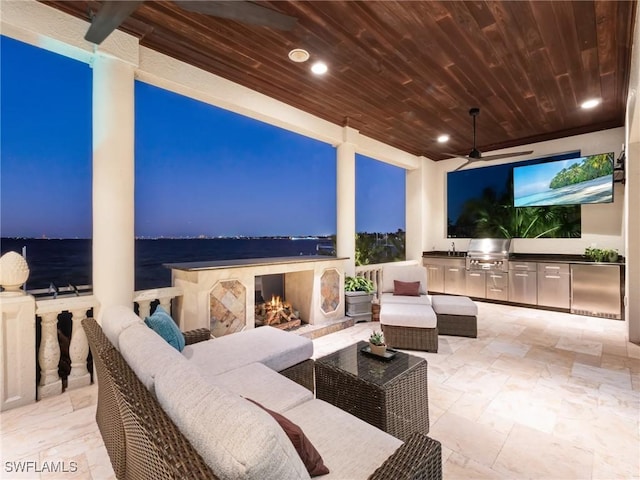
(200,170)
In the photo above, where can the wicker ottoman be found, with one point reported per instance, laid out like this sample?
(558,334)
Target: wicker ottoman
(409,326)
(457,316)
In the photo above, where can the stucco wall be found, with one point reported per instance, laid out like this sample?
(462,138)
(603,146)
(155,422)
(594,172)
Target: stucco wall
(602,225)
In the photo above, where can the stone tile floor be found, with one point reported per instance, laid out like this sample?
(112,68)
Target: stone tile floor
(538,394)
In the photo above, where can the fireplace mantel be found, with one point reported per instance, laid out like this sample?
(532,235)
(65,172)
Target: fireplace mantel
(221,294)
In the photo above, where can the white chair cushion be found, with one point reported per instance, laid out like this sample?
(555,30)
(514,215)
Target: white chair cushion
(408,315)
(351,448)
(260,383)
(147,353)
(454,305)
(391,298)
(404,273)
(236,438)
(115,320)
(270,346)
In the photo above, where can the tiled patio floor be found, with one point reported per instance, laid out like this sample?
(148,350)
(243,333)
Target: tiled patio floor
(537,395)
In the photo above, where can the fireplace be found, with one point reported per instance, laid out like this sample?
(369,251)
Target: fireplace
(223,295)
(271,307)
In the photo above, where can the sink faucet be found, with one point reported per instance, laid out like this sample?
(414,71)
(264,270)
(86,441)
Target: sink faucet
(453,247)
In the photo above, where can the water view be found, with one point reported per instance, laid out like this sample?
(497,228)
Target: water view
(68,261)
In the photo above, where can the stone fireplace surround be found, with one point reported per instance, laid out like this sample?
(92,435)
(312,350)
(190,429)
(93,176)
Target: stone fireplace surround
(221,294)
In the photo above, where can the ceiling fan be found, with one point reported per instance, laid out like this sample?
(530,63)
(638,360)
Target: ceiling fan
(114,12)
(475,154)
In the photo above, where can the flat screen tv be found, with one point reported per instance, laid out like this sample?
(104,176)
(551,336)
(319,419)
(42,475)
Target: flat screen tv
(573,181)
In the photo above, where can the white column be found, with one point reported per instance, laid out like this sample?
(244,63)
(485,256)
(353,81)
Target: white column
(78,351)
(415,212)
(632,194)
(17,350)
(346,204)
(113,181)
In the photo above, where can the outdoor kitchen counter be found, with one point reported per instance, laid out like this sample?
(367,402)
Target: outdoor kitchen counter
(529,257)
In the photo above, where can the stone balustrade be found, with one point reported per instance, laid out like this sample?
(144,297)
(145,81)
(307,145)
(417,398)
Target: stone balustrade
(144,299)
(373,272)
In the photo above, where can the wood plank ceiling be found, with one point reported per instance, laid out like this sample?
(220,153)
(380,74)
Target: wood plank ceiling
(404,72)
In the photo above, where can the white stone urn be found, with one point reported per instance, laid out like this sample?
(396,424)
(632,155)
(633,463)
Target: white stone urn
(14,271)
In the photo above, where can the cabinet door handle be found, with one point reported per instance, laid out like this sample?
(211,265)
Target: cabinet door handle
(454,269)
(474,274)
(520,266)
(551,268)
(496,276)
(433,268)
(552,276)
(522,274)
(495,289)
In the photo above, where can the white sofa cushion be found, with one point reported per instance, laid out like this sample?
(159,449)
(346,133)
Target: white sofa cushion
(408,315)
(351,449)
(270,346)
(115,320)
(258,382)
(236,438)
(391,298)
(404,273)
(454,305)
(147,353)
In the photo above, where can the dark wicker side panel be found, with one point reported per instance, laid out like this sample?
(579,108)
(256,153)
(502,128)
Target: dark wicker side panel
(457,325)
(301,373)
(420,458)
(107,412)
(155,447)
(411,338)
(197,335)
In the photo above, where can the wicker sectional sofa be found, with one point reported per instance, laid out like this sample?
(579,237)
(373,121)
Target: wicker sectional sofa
(169,414)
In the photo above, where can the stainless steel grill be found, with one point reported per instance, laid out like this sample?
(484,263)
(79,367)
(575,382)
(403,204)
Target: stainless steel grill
(488,254)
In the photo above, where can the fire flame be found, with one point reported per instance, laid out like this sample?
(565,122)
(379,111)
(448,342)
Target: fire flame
(275,301)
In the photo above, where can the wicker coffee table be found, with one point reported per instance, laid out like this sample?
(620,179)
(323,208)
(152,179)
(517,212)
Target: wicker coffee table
(389,394)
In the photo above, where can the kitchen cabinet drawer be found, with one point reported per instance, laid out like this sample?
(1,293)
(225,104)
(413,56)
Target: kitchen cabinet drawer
(455,280)
(554,285)
(476,284)
(523,286)
(526,266)
(497,286)
(435,278)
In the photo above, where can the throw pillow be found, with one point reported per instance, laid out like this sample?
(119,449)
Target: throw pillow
(162,323)
(409,289)
(308,453)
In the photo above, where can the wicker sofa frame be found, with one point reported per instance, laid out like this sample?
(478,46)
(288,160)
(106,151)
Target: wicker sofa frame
(411,338)
(143,442)
(457,325)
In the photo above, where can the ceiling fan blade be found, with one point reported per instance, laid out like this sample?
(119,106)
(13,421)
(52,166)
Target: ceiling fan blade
(498,156)
(109,17)
(241,11)
(469,160)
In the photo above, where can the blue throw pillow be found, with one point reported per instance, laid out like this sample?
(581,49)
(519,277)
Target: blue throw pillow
(162,323)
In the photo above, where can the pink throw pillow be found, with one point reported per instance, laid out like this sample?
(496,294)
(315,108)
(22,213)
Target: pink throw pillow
(408,289)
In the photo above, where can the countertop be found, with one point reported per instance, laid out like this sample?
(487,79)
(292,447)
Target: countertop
(529,257)
(249,262)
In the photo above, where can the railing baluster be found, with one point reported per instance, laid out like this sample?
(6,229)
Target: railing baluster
(78,352)
(144,308)
(49,357)
(165,302)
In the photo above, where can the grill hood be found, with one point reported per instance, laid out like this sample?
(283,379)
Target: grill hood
(479,247)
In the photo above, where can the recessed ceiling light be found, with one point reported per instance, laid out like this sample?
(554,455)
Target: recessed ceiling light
(298,55)
(594,102)
(319,68)
(443,138)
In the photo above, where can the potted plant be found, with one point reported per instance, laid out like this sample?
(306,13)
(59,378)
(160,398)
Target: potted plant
(376,343)
(358,292)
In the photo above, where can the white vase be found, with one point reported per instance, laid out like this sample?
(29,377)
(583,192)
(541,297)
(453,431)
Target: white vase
(379,350)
